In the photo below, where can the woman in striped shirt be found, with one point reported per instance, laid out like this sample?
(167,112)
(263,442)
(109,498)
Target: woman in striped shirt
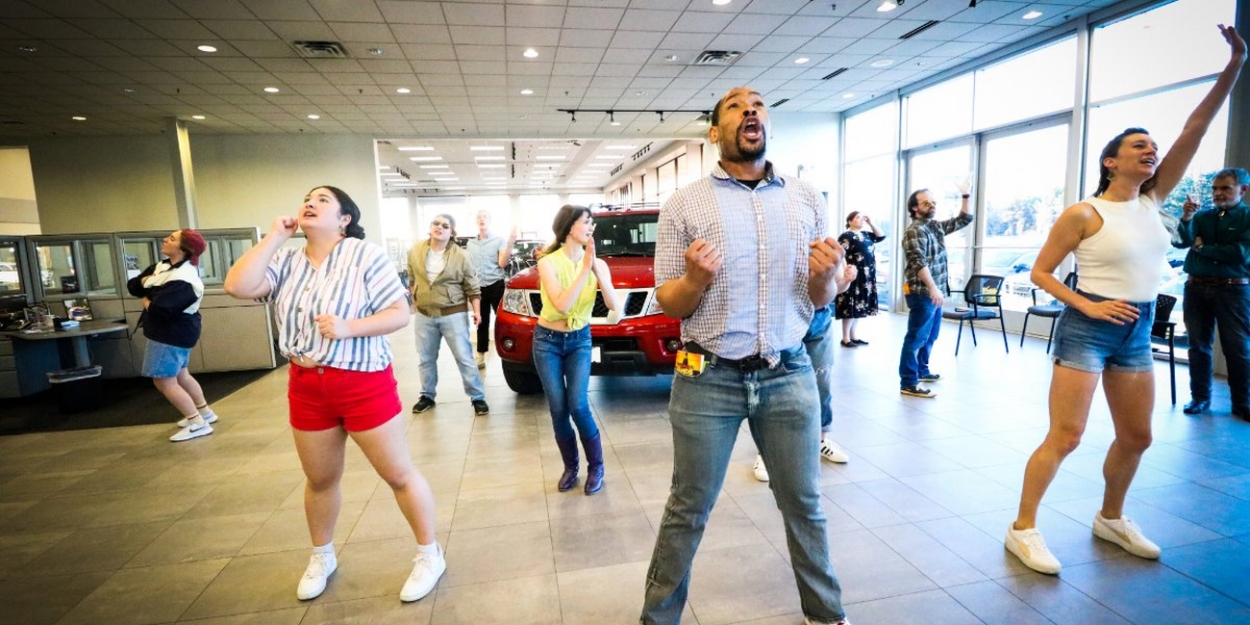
(336,298)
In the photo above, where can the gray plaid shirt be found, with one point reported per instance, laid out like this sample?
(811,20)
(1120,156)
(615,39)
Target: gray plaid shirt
(924,245)
(758,303)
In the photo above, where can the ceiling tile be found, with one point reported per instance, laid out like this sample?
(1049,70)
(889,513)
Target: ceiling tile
(647,20)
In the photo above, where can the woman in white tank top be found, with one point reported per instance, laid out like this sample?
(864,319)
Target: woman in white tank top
(1119,240)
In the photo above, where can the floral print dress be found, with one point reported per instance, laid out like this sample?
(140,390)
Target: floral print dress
(860,299)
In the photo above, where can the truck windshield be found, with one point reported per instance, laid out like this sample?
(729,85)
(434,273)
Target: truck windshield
(623,234)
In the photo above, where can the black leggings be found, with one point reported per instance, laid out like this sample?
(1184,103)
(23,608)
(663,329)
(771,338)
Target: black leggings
(492,294)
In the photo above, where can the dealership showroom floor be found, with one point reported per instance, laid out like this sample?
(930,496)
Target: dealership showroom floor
(120,526)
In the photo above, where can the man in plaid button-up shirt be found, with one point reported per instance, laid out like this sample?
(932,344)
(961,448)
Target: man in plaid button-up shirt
(924,245)
(742,258)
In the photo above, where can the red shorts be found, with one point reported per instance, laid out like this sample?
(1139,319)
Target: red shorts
(324,397)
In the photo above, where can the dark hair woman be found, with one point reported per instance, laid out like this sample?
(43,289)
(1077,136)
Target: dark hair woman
(570,274)
(1119,241)
(336,298)
(859,300)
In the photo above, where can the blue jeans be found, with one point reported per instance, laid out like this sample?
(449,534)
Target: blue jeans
(430,332)
(924,320)
(563,363)
(817,345)
(706,412)
(1226,307)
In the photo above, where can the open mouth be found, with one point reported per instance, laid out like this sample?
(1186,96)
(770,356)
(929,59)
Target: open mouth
(751,129)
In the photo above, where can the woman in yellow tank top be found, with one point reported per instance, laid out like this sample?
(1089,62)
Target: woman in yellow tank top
(570,275)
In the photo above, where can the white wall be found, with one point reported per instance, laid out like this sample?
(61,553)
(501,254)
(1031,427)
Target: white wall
(18,211)
(248,180)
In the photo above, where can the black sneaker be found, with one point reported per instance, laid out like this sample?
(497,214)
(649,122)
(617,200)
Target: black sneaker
(423,404)
(930,377)
(917,391)
(480,407)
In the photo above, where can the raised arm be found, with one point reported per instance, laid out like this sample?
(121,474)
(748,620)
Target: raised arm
(246,279)
(1172,167)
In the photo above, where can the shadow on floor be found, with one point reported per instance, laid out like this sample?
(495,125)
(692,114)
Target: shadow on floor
(122,402)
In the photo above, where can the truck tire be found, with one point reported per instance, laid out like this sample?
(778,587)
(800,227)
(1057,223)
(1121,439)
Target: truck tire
(522,381)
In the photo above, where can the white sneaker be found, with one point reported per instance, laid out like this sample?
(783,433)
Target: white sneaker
(831,452)
(211,418)
(190,432)
(1030,547)
(1125,533)
(808,621)
(481,360)
(426,570)
(320,567)
(761,471)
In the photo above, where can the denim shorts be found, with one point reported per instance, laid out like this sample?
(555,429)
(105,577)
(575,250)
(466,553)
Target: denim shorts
(164,361)
(1093,345)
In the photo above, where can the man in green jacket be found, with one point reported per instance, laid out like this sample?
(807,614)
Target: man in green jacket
(1217,294)
(444,292)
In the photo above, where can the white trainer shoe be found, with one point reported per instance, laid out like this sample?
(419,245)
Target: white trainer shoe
(808,621)
(313,583)
(1030,547)
(1125,533)
(211,418)
(190,432)
(831,452)
(427,568)
(760,471)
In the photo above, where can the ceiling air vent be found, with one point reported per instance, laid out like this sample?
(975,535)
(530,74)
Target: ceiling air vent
(321,49)
(835,73)
(778,103)
(919,29)
(716,57)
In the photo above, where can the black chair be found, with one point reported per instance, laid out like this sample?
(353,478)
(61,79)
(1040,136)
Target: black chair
(1164,329)
(1050,310)
(983,300)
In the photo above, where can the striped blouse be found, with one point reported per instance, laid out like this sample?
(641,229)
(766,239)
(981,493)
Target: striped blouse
(355,281)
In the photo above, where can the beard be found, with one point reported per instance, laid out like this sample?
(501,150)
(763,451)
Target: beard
(749,152)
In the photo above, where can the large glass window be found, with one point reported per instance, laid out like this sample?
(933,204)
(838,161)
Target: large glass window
(868,189)
(940,112)
(871,132)
(1022,197)
(942,171)
(10,268)
(1008,91)
(1169,44)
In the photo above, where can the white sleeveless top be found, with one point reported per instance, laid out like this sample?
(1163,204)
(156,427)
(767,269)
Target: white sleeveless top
(1124,259)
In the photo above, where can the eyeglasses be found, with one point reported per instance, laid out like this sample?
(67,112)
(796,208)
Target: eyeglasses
(441,224)
(928,203)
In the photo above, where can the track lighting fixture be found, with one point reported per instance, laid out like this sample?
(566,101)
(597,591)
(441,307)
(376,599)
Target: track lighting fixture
(972,4)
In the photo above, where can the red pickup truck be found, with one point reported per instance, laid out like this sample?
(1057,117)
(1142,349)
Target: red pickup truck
(637,339)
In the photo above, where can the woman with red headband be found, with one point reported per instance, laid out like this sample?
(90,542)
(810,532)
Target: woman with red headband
(172,291)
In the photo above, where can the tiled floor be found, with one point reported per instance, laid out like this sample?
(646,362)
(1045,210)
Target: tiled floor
(120,526)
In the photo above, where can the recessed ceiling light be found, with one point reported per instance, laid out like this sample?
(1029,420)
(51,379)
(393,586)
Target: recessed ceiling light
(197,117)
(424,159)
(1031,15)
(383,167)
(527,92)
(671,58)
(272,90)
(612,157)
(27,49)
(882,63)
(721,2)
(435,166)
(376,51)
(79,118)
(887,5)
(485,148)
(801,60)
(615,123)
(640,93)
(128,90)
(417,148)
(490,166)
(530,53)
(847,96)
(206,48)
(403,90)
(314,117)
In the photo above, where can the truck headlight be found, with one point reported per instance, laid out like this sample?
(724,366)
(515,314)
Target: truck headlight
(516,302)
(654,307)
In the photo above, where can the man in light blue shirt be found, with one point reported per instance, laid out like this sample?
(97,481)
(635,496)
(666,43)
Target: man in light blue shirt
(490,254)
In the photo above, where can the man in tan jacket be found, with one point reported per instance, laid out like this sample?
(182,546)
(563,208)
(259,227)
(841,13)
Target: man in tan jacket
(444,292)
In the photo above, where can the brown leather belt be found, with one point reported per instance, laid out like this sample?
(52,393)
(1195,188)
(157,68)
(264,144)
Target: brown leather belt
(1220,281)
(443,312)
